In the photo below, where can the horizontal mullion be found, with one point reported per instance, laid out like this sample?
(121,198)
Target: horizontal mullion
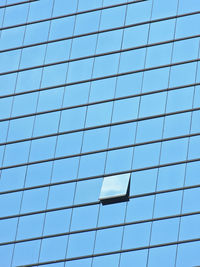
(180,215)
(97,151)
(97,78)
(64,16)
(96,103)
(118,74)
(89,104)
(113,252)
(101,151)
(103,31)
(104,54)
(134,196)
(18,3)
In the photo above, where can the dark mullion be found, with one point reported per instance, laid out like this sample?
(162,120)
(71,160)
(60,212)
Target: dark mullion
(98,202)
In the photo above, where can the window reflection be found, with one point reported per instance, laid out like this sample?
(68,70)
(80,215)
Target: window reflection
(115,188)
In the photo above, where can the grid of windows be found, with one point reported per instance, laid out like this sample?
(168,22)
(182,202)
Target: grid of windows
(90,90)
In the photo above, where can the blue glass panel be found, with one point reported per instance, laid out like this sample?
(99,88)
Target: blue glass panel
(40,10)
(171,177)
(125,109)
(191,200)
(95,139)
(80,244)
(137,258)
(61,195)
(76,94)
(30,226)
(162,31)
(119,160)
(6,254)
(128,84)
(93,186)
(188,254)
(12,17)
(143,182)
(62,7)
(112,214)
(38,174)
(193,230)
(112,17)
(68,144)
(136,235)
(16,126)
(12,178)
(92,165)
(164,231)
(102,89)
(84,217)
(140,209)
(34,200)
(27,59)
(26,252)
(58,51)
(167,204)
(164,256)
(48,251)
(109,260)
(108,240)
(42,149)
(164,9)
(146,155)
(43,124)
(32,31)
(57,222)
(109,41)
(65,169)
(8,229)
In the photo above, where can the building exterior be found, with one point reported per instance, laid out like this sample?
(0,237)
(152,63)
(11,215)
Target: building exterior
(91,90)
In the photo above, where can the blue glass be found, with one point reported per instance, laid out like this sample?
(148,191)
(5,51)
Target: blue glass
(164,256)
(92,165)
(38,174)
(8,229)
(164,231)
(136,235)
(164,9)
(109,260)
(12,178)
(82,187)
(47,248)
(6,254)
(57,222)
(137,258)
(108,240)
(29,250)
(140,209)
(80,244)
(26,229)
(112,214)
(167,204)
(11,16)
(34,200)
(188,254)
(84,217)
(61,195)
(112,17)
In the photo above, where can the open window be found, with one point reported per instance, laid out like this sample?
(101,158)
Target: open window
(115,189)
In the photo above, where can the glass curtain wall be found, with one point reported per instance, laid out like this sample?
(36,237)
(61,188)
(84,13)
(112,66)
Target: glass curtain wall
(91,90)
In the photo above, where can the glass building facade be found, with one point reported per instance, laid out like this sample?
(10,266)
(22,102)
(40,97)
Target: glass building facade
(91,89)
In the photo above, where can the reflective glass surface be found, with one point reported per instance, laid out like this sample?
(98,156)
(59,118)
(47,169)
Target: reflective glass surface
(99,101)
